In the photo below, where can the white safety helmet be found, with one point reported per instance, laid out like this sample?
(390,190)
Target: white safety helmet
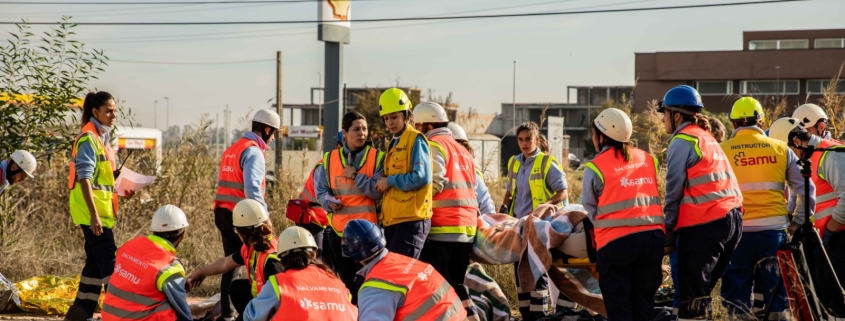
(293,238)
(25,161)
(169,218)
(268,117)
(430,112)
(781,128)
(458,132)
(615,124)
(249,213)
(809,114)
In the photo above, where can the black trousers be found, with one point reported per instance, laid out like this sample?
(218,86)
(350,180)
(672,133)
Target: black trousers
(231,244)
(317,232)
(836,253)
(240,291)
(99,265)
(345,267)
(450,259)
(630,274)
(704,252)
(407,238)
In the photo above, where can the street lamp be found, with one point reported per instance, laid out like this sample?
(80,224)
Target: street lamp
(155,113)
(168,112)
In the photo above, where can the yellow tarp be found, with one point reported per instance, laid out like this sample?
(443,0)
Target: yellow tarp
(51,295)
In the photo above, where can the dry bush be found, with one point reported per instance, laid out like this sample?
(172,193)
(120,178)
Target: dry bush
(834,105)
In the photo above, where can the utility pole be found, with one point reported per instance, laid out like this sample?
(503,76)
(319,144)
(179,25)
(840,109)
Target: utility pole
(513,101)
(226,119)
(279,110)
(334,32)
(217,137)
(320,108)
(155,113)
(168,115)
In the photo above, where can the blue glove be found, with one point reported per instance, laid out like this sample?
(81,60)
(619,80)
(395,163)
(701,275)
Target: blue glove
(826,237)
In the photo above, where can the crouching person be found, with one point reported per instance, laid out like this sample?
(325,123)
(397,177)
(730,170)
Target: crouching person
(397,287)
(148,282)
(307,290)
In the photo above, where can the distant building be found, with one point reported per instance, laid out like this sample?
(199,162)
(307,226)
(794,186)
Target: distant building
(796,64)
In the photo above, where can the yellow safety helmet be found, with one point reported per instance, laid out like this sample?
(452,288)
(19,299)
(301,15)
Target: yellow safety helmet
(393,100)
(747,108)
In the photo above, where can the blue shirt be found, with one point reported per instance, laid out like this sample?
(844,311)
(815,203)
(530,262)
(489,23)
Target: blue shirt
(522,201)
(421,174)
(174,291)
(679,157)
(4,181)
(252,165)
(364,183)
(86,156)
(482,195)
(591,188)
(377,304)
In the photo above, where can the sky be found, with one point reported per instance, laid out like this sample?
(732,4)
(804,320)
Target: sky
(473,59)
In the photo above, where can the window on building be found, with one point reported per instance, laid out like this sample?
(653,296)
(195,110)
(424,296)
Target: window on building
(830,43)
(778,44)
(817,86)
(769,87)
(714,88)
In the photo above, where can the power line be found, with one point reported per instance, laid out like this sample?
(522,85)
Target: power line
(532,14)
(193,63)
(87,3)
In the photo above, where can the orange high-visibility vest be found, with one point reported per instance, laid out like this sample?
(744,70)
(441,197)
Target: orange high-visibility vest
(356,205)
(455,208)
(311,294)
(230,187)
(629,202)
(135,288)
(255,262)
(91,129)
(826,198)
(711,190)
(309,193)
(428,296)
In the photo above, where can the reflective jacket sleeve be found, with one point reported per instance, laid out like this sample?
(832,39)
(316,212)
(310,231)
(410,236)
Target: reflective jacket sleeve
(591,188)
(260,308)
(367,185)
(438,171)
(378,305)
(482,195)
(252,163)
(86,160)
(790,204)
(174,290)
(833,169)
(321,187)
(420,175)
(556,179)
(680,156)
(796,182)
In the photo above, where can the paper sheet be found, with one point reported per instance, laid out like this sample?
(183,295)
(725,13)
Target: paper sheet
(129,180)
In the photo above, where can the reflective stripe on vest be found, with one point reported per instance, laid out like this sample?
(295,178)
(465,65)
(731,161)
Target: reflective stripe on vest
(398,206)
(427,295)
(629,202)
(230,185)
(311,294)
(356,204)
(826,197)
(102,183)
(540,192)
(255,262)
(135,289)
(455,208)
(711,191)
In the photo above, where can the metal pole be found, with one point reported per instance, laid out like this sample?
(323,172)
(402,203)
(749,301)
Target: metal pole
(217,137)
(513,101)
(320,108)
(155,113)
(333,93)
(168,115)
(279,110)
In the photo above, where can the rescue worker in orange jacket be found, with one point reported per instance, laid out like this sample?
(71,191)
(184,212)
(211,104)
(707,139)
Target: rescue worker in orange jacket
(621,198)
(93,199)
(319,226)
(397,287)
(702,202)
(346,188)
(307,290)
(253,226)
(148,283)
(241,176)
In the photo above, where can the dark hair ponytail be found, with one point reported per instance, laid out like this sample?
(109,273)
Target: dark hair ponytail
(257,237)
(302,258)
(619,148)
(94,100)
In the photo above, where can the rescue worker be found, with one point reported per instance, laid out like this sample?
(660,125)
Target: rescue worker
(397,287)
(829,180)
(254,228)
(16,169)
(702,202)
(534,178)
(482,194)
(93,199)
(307,290)
(309,193)
(346,188)
(242,173)
(761,165)
(149,281)
(620,196)
(407,184)
(813,119)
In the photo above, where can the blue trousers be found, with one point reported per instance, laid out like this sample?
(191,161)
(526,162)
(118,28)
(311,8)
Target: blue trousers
(753,269)
(629,275)
(407,238)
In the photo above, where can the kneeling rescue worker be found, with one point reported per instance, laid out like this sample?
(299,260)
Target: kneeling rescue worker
(621,198)
(307,290)
(702,202)
(148,282)
(16,169)
(397,287)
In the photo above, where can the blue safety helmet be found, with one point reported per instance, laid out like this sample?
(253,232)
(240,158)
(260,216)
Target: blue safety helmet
(362,240)
(682,97)
(340,137)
